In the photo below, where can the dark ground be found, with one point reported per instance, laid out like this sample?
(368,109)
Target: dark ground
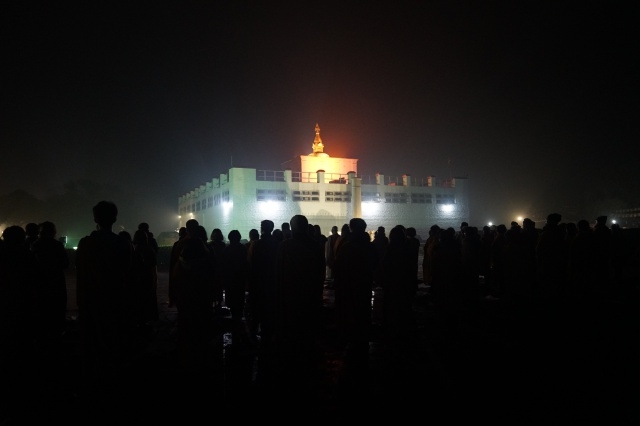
(558,364)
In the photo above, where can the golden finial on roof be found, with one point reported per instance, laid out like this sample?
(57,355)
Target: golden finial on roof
(317,142)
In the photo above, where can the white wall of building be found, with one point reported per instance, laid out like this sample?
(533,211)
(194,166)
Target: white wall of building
(243,211)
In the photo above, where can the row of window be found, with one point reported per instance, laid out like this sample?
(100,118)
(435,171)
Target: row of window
(330,196)
(206,203)
(345,196)
(402,198)
(305,195)
(271,195)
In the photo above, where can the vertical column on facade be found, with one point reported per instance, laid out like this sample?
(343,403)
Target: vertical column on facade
(287,175)
(320,174)
(356,194)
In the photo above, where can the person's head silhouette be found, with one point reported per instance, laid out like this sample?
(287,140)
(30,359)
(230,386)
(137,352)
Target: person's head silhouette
(105,214)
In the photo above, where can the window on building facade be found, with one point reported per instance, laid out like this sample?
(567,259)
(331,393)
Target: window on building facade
(395,197)
(341,196)
(225,197)
(421,198)
(371,197)
(210,202)
(216,199)
(306,196)
(445,199)
(271,195)
(269,175)
(198,206)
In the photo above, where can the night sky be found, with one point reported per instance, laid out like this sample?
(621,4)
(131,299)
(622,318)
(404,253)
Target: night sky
(535,102)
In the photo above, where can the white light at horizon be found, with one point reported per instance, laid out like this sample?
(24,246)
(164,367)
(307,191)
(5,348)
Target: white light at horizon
(370,208)
(269,208)
(226,207)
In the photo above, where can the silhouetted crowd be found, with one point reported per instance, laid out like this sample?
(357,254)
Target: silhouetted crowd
(273,285)
(560,262)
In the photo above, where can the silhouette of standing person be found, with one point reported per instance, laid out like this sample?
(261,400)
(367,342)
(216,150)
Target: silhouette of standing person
(470,249)
(254,236)
(174,257)
(581,260)
(216,246)
(51,289)
(498,262)
(551,258)
(398,283)
(144,226)
(234,266)
(17,276)
(194,274)
(445,262)
(381,243)
(286,230)
(17,279)
(486,240)
(262,284)
(32,230)
(434,235)
(298,305)
(356,261)
(153,243)
(329,252)
(530,234)
(602,238)
(278,235)
(345,231)
(414,244)
(261,300)
(318,235)
(144,291)
(103,260)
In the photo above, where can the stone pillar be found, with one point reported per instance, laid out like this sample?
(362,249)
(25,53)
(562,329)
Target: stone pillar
(406,180)
(287,175)
(356,195)
(350,177)
(320,174)
(379,179)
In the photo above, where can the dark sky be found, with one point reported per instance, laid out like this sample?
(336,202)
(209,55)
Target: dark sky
(535,102)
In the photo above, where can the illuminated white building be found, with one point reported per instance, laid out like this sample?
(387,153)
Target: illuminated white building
(328,191)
